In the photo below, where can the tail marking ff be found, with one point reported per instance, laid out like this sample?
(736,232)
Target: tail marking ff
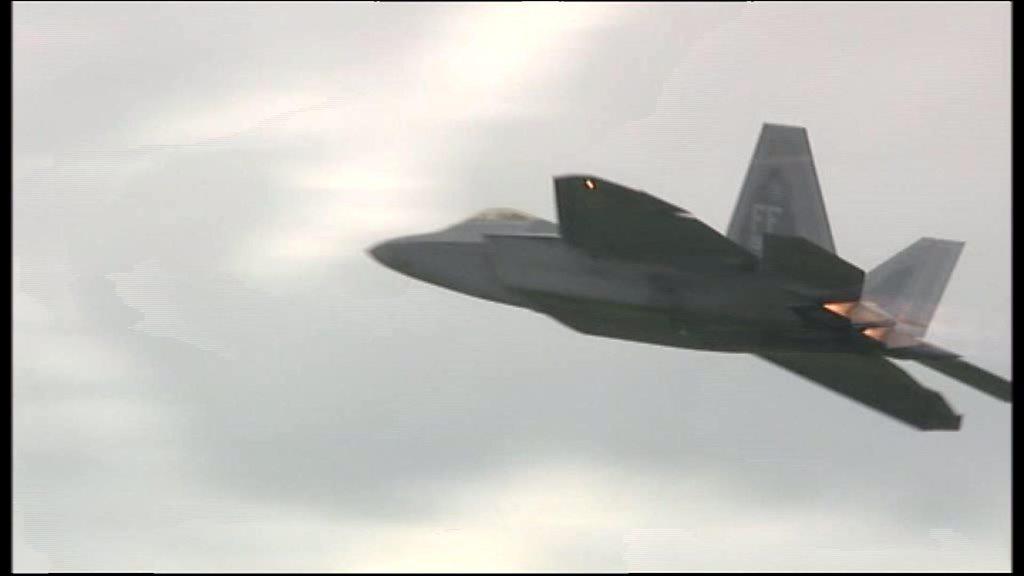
(780,193)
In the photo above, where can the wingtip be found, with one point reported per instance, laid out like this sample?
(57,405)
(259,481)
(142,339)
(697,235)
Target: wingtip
(777,126)
(934,240)
(949,423)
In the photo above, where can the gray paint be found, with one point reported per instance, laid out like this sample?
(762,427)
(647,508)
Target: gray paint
(627,265)
(911,283)
(780,193)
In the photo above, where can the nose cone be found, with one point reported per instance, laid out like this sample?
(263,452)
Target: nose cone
(381,252)
(390,254)
(460,265)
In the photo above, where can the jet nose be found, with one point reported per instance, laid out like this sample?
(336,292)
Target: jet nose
(383,253)
(390,254)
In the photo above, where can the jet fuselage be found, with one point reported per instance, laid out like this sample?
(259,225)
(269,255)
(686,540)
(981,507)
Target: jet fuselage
(624,264)
(524,262)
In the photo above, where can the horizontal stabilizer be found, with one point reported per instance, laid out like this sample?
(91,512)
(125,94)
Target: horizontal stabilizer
(875,382)
(611,220)
(811,269)
(973,376)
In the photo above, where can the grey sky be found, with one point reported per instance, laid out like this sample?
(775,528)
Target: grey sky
(211,374)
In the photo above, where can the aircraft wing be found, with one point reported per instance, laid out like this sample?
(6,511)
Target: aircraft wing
(608,219)
(875,382)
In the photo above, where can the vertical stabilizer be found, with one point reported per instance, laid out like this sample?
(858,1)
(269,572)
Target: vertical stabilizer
(780,194)
(909,285)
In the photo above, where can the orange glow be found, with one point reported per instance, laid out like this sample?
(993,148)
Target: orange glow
(876,333)
(589,184)
(841,308)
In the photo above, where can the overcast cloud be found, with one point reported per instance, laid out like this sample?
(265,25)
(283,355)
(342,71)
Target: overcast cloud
(211,374)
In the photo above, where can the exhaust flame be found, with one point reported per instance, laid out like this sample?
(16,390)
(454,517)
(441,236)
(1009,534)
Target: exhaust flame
(841,308)
(876,333)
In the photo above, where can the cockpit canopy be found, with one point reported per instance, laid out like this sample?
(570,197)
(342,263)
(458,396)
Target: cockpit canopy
(508,214)
(502,221)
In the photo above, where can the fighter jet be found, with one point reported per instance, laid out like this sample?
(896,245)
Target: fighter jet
(621,263)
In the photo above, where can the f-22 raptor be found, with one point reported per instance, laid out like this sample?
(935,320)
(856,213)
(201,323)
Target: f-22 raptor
(621,263)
